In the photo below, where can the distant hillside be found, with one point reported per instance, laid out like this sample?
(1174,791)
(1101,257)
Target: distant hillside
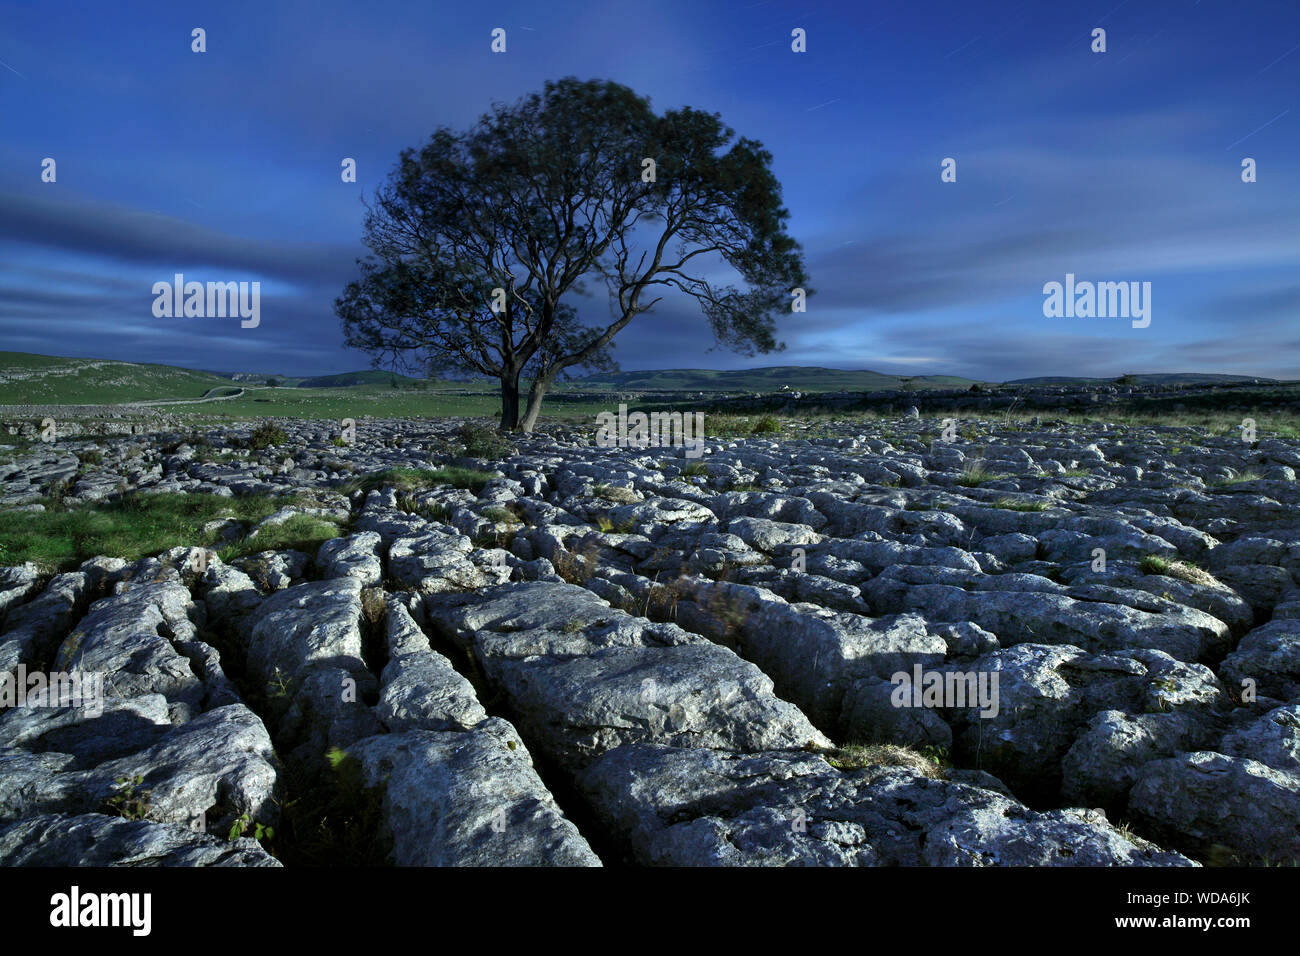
(1162,378)
(367,377)
(799,378)
(27,379)
(259,378)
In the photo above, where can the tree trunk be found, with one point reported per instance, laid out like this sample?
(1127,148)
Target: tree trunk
(535,395)
(509,402)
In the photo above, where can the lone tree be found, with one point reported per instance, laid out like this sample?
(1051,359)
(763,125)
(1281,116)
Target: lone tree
(477,238)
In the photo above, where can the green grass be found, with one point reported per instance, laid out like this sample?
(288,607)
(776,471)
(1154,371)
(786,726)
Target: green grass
(376,401)
(132,527)
(972,476)
(501,515)
(1154,564)
(857,756)
(769,379)
(1243,476)
(1012,504)
(729,426)
(417,479)
(49,380)
(301,532)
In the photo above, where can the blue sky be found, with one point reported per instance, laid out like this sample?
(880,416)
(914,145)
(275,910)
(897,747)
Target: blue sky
(1115,166)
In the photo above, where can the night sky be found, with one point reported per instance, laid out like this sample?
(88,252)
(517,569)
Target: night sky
(1115,166)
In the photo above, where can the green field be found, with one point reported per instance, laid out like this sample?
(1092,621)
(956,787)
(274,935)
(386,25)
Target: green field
(361,400)
(27,379)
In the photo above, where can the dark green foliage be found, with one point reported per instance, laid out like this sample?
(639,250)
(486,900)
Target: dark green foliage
(265,435)
(544,195)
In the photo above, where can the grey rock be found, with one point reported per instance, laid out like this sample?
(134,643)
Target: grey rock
(1202,800)
(467,799)
(357,556)
(92,839)
(680,807)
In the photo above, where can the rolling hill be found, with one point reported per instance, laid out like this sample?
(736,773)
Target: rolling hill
(770,379)
(366,377)
(28,379)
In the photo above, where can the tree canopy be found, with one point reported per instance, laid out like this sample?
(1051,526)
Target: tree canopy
(477,239)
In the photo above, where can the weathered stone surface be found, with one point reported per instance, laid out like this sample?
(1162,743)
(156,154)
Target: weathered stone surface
(1132,587)
(215,767)
(1269,658)
(357,556)
(421,690)
(92,839)
(582,677)
(1205,799)
(33,630)
(133,640)
(680,807)
(304,644)
(90,734)
(467,798)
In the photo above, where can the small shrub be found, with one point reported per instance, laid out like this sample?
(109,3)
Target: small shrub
(337,821)
(623,496)
(127,803)
(240,826)
(480,441)
(500,515)
(431,511)
(265,435)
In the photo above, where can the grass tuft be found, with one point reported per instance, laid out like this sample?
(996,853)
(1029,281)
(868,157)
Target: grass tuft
(858,756)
